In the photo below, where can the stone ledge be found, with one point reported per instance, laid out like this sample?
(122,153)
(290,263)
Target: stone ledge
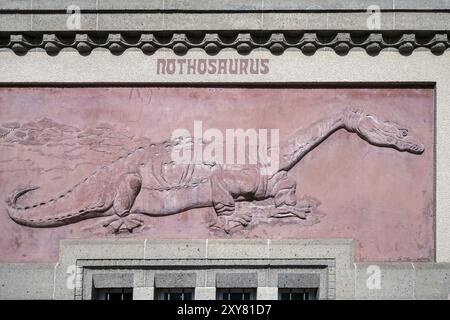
(398,280)
(146,21)
(192,250)
(225,5)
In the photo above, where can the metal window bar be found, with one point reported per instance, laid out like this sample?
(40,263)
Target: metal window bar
(236,294)
(114,294)
(298,294)
(174,294)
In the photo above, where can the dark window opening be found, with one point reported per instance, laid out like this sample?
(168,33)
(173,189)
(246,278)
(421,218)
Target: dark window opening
(174,294)
(298,294)
(114,294)
(236,294)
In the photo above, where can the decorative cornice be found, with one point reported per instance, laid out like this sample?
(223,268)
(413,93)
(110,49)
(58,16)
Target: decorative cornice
(243,42)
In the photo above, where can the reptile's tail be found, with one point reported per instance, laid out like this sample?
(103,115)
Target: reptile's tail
(18,214)
(46,214)
(16,194)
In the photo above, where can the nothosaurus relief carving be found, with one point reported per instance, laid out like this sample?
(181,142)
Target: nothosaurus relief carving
(147,182)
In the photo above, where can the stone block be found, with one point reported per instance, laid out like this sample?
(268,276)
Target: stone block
(205,293)
(396,281)
(298,280)
(113,280)
(422,20)
(72,250)
(344,287)
(237,249)
(326,4)
(212,21)
(64,4)
(15,22)
(267,293)
(175,280)
(15,4)
(222,5)
(359,21)
(26,281)
(422,5)
(130,21)
(340,249)
(294,21)
(143,293)
(236,280)
(432,281)
(63,22)
(175,249)
(130,5)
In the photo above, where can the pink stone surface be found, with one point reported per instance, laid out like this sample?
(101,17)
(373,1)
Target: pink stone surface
(382,198)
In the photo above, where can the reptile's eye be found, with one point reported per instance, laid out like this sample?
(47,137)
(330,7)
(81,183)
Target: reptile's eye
(404,132)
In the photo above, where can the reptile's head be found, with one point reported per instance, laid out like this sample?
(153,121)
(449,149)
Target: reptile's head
(388,134)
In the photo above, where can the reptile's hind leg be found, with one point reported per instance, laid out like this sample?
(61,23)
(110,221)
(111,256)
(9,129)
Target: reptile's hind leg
(126,194)
(224,206)
(222,200)
(283,190)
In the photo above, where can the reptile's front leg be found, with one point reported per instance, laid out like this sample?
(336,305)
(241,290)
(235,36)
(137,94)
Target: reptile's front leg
(128,189)
(124,224)
(301,209)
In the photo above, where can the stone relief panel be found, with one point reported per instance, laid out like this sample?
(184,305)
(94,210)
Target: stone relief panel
(111,162)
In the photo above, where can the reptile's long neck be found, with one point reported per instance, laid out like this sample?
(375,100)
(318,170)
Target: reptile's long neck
(293,149)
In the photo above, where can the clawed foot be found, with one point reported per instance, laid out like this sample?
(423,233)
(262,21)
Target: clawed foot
(123,224)
(301,210)
(229,222)
(244,216)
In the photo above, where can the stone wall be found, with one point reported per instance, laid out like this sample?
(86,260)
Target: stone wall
(306,44)
(135,264)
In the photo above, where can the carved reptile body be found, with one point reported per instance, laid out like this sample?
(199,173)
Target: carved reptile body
(147,182)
